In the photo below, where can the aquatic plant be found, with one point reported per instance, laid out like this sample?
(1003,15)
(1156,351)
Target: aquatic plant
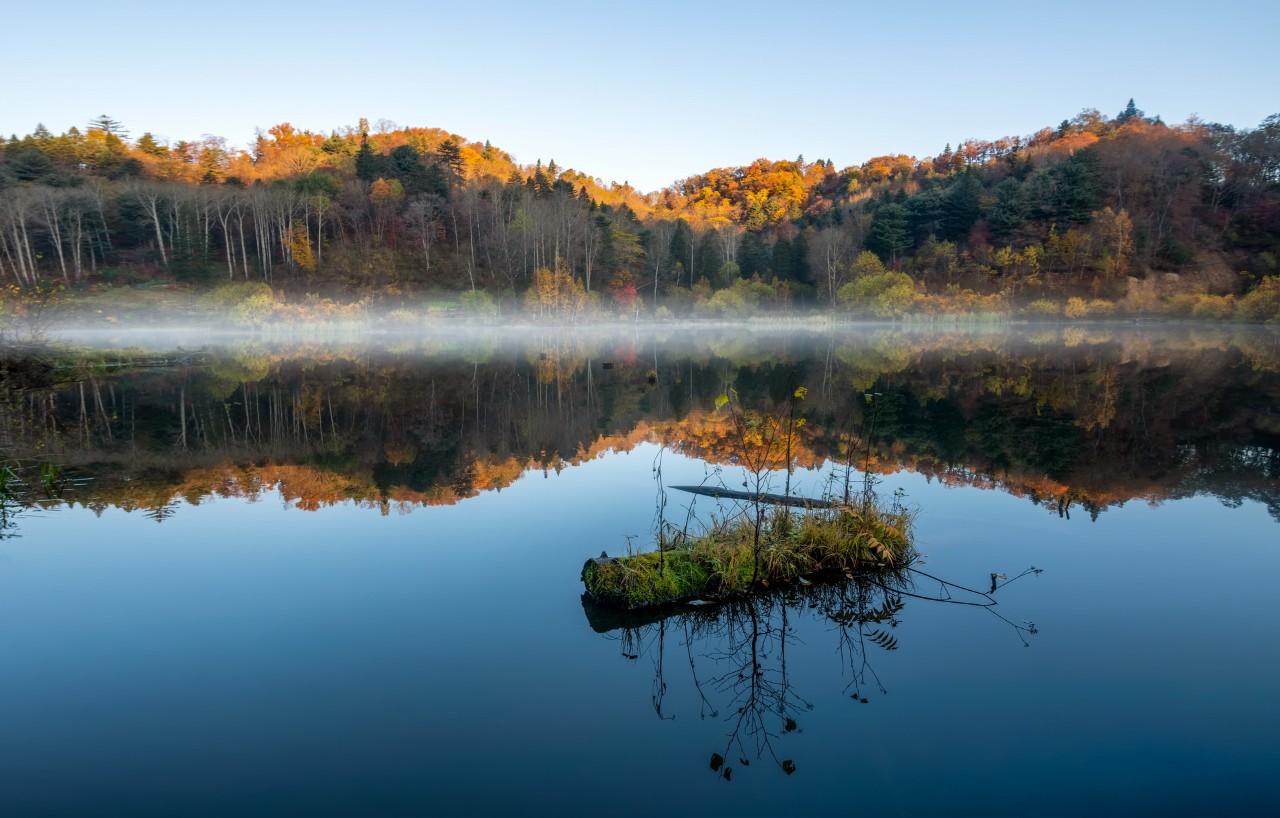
(721,563)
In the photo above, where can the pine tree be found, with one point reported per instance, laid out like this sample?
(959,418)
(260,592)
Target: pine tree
(450,153)
(1130,112)
(148,145)
(368,163)
(962,206)
(781,263)
(890,232)
(108,125)
(681,248)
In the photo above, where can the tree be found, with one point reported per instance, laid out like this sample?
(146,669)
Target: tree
(109,126)
(300,248)
(1075,188)
(1130,112)
(368,163)
(1010,210)
(782,259)
(706,259)
(753,255)
(148,145)
(890,232)
(962,206)
(800,270)
(450,154)
(681,249)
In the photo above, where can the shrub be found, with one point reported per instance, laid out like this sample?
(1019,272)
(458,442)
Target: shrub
(1043,308)
(477,302)
(1214,307)
(244,302)
(729,273)
(1181,304)
(886,294)
(745,297)
(1099,307)
(1262,303)
(1076,308)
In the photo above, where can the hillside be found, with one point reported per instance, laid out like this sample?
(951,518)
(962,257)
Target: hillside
(1124,210)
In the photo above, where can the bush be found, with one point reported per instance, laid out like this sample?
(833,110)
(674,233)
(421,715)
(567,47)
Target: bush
(1181,304)
(1262,303)
(1214,307)
(1076,308)
(745,297)
(886,294)
(1044,308)
(477,302)
(1100,308)
(243,302)
(957,302)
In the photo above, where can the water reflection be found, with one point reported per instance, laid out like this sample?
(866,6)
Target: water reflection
(1075,421)
(736,651)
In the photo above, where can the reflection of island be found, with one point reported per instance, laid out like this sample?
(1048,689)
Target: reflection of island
(736,652)
(1069,420)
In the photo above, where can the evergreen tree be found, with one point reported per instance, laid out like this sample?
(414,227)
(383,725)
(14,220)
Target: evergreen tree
(925,214)
(682,247)
(30,164)
(1010,210)
(962,206)
(890,232)
(800,259)
(1130,112)
(706,259)
(148,145)
(1076,191)
(781,263)
(368,163)
(406,165)
(108,125)
(450,153)
(753,254)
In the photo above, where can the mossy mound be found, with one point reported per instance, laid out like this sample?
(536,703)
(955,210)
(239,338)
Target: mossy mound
(726,562)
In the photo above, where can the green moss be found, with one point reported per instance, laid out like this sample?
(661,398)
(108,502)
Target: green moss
(724,562)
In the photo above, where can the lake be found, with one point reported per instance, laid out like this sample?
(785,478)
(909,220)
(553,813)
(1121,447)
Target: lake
(340,575)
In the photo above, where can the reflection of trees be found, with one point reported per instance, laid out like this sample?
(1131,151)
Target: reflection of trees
(1085,427)
(736,652)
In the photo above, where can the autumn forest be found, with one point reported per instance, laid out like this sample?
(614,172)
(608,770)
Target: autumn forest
(1096,216)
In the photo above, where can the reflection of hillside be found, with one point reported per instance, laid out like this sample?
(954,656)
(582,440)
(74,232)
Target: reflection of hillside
(1067,420)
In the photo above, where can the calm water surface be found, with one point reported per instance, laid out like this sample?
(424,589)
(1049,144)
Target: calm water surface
(290,577)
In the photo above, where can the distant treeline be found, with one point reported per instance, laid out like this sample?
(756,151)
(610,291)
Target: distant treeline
(1092,208)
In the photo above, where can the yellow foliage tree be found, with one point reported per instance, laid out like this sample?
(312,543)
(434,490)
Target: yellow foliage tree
(556,294)
(300,248)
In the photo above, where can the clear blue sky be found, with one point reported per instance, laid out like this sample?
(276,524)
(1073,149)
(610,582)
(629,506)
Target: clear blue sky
(646,92)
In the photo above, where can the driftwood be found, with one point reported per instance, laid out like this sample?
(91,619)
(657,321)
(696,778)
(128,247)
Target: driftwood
(749,497)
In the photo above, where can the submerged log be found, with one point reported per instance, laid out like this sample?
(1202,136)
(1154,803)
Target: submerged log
(764,497)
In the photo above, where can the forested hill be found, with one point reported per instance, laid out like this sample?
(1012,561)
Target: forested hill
(1121,208)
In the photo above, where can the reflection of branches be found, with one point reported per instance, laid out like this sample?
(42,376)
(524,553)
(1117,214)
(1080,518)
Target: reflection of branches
(745,643)
(162,512)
